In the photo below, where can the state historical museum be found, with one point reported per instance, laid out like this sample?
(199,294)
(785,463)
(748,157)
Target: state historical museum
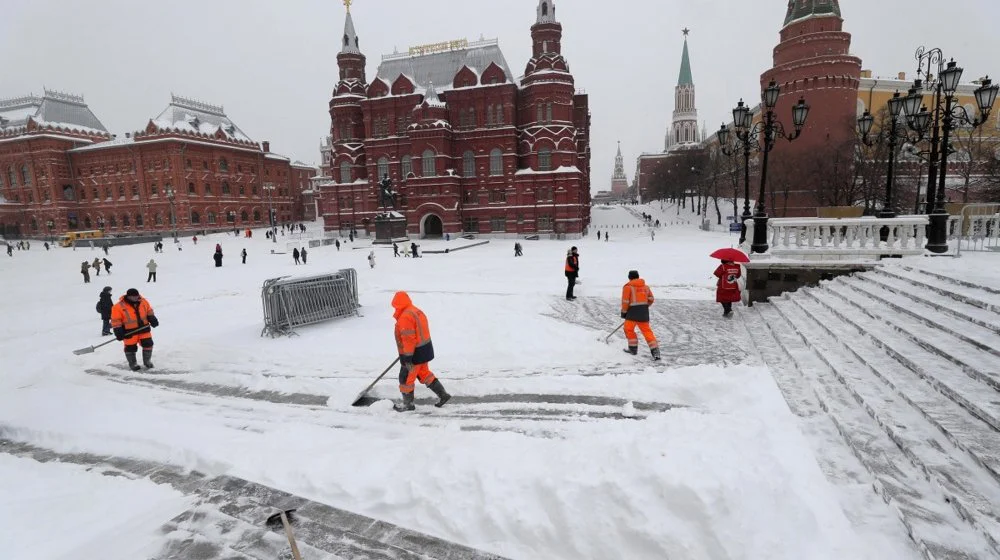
(468,148)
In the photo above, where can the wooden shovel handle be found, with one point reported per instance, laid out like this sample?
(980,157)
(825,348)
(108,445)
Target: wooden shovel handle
(291,538)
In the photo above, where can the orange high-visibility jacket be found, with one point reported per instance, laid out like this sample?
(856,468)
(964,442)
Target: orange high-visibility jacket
(636,299)
(413,332)
(123,314)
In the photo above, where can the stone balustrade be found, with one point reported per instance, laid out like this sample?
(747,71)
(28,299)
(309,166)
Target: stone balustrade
(843,238)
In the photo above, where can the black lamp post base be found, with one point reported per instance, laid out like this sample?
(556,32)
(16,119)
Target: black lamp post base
(759,233)
(937,232)
(743,223)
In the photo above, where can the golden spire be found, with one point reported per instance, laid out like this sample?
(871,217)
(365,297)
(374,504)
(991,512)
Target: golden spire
(348,4)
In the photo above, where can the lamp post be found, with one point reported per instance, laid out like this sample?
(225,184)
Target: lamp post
(865,123)
(746,137)
(269,189)
(947,115)
(173,215)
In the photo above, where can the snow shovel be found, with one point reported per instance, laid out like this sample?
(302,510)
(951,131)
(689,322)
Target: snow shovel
(283,517)
(90,349)
(361,399)
(607,339)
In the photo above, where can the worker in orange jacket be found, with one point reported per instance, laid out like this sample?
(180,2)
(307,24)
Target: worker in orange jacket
(413,340)
(133,313)
(636,299)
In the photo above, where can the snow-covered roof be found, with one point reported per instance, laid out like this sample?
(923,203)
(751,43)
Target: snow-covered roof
(195,116)
(560,169)
(55,108)
(441,67)
(109,144)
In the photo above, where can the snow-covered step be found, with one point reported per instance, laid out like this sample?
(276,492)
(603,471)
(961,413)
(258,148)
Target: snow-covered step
(903,407)
(893,355)
(932,523)
(984,339)
(959,281)
(975,296)
(971,313)
(955,351)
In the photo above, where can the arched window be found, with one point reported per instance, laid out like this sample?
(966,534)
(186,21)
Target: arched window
(345,172)
(244,217)
(544,159)
(383,167)
(469,164)
(86,222)
(548,114)
(231,217)
(211,217)
(496,162)
(499,114)
(25,176)
(195,217)
(545,8)
(687,133)
(225,187)
(223,164)
(427,167)
(256,215)
(406,166)
(540,114)
(138,220)
(121,191)
(243,190)
(489,115)
(678,136)
(114,221)
(34,224)
(157,219)
(11,177)
(125,221)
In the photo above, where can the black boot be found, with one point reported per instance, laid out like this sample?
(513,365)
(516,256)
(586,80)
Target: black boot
(656,354)
(634,350)
(147,355)
(133,363)
(406,405)
(438,389)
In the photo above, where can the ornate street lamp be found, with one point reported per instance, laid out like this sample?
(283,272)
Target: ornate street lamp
(173,215)
(947,116)
(745,138)
(762,136)
(896,105)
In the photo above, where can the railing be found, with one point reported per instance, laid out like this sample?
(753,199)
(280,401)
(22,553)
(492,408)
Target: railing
(843,238)
(295,302)
(977,228)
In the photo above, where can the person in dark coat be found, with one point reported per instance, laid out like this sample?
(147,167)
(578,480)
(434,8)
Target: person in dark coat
(104,305)
(295,255)
(85,270)
(244,255)
(304,254)
(46,245)
(413,249)
(107,266)
(338,244)
(395,249)
(572,269)
(218,256)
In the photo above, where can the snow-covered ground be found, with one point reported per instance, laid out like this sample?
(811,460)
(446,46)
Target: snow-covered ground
(716,467)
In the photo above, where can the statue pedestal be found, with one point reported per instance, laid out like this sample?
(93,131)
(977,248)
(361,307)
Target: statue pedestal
(390,228)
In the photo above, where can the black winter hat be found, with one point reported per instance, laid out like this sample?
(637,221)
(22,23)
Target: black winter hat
(106,289)
(132,292)
(633,274)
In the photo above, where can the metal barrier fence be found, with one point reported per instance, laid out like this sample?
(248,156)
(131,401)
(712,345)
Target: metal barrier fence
(979,228)
(295,302)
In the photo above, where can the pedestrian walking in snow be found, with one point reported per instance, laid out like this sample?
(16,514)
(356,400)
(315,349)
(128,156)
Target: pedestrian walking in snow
(517,249)
(305,255)
(727,290)
(350,237)
(218,255)
(107,266)
(413,249)
(572,270)
(133,313)
(395,249)
(10,250)
(46,245)
(244,255)
(295,255)
(85,270)
(598,235)
(413,340)
(151,266)
(636,299)
(104,247)
(27,245)
(97,266)
(605,236)
(406,251)
(194,239)
(371,259)
(652,235)
(104,305)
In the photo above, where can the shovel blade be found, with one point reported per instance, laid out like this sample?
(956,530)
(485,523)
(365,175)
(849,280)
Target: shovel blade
(87,350)
(364,400)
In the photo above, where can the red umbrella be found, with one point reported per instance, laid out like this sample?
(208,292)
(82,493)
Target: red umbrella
(730,254)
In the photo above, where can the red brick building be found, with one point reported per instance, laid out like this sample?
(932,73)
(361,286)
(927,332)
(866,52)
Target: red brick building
(813,61)
(190,166)
(467,147)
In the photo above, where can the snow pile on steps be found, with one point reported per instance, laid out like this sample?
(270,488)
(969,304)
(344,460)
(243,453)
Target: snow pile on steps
(904,364)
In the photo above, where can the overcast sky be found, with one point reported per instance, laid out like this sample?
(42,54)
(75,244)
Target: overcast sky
(273,64)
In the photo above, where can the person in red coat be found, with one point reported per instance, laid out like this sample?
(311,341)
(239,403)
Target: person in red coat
(727,290)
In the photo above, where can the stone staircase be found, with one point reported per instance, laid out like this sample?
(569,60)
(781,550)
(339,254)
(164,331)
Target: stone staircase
(903,364)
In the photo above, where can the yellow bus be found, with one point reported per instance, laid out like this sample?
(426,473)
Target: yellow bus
(70,238)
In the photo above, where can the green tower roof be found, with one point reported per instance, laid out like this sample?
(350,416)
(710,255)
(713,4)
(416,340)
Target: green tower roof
(685,78)
(799,9)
